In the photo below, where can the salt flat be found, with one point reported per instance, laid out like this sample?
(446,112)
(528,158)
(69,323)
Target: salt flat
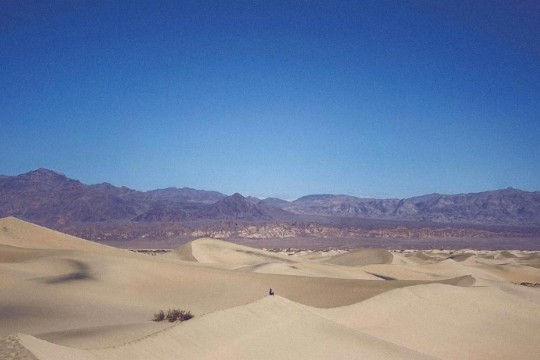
(67,298)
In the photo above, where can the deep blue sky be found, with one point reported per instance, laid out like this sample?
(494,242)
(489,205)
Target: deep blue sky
(274,98)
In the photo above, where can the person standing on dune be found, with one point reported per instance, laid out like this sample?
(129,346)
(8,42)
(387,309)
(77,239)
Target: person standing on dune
(271,292)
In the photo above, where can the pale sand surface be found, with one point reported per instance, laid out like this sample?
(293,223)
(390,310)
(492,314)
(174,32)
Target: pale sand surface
(449,322)
(67,298)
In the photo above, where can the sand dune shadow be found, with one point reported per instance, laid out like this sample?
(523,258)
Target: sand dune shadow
(80,271)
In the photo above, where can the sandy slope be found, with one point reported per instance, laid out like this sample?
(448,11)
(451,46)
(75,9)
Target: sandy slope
(222,254)
(212,251)
(449,322)
(70,298)
(271,328)
(81,288)
(22,234)
(362,257)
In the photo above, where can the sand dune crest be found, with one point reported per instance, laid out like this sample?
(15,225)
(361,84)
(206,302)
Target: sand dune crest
(22,234)
(362,257)
(271,328)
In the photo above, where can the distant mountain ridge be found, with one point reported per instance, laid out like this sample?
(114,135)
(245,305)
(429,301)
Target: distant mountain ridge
(186,195)
(507,206)
(234,206)
(49,198)
(52,199)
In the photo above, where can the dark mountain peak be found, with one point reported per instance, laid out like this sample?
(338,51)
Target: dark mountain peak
(103,185)
(237,201)
(253,199)
(275,202)
(315,197)
(327,197)
(273,199)
(111,190)
(511,190)
(427,197)
(234,206)
(43,173)
(41,181)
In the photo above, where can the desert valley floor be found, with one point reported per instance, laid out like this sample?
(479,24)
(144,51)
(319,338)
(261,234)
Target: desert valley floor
(66,298)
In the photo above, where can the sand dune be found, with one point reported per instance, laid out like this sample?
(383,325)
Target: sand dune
(212,251)
(362,257)
(80,289)
(21,234)
(449,322)
(505,255)
(270,328)
(13,254)
(63,297)
(309,270)
(461,257)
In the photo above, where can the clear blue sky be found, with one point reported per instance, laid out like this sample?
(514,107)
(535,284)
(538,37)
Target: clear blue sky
(274,98)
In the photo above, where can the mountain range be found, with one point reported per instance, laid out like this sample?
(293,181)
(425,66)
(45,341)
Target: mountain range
(52,199)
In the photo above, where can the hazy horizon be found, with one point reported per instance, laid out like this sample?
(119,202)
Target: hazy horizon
(383,99)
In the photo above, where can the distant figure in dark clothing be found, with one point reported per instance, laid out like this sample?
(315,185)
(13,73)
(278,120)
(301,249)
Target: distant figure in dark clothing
(271,292)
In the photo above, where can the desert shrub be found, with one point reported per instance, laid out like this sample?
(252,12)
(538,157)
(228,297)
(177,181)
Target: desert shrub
(159,316)
(186,316)
(173,315)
